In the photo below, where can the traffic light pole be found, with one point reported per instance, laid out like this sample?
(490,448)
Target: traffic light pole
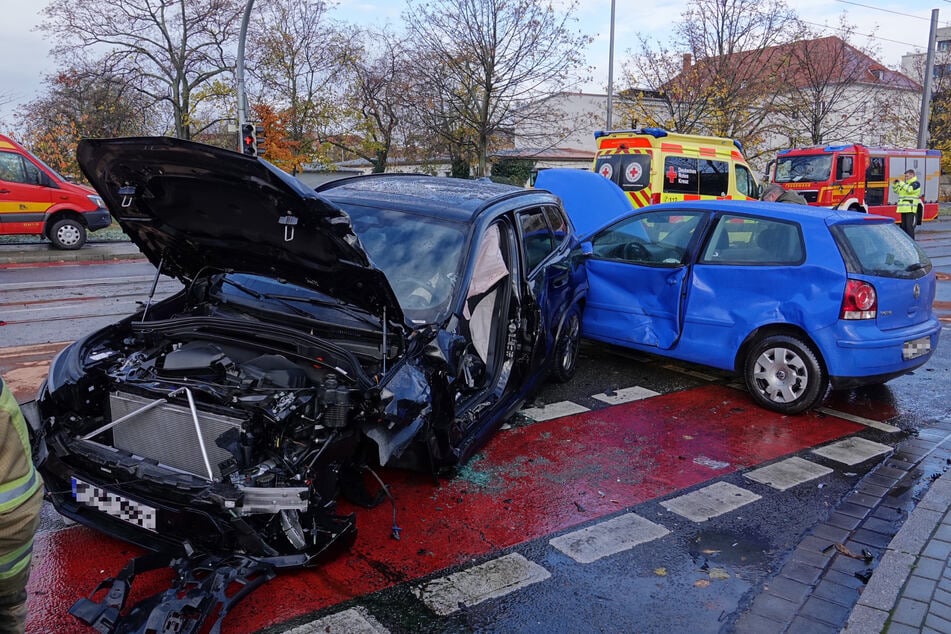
(239,76)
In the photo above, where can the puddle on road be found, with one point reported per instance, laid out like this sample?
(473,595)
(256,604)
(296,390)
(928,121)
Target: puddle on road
(728,549)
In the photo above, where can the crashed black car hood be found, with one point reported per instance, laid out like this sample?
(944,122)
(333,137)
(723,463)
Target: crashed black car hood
(195,208)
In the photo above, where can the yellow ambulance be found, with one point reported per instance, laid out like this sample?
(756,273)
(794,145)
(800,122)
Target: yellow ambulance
(654,166)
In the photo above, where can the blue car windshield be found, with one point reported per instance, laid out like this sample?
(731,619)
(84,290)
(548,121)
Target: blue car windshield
(420,255)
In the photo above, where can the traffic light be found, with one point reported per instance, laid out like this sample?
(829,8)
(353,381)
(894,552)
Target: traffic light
(259,135)
(249,143)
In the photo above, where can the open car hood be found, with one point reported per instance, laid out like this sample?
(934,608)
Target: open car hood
(590,200)
(192,208)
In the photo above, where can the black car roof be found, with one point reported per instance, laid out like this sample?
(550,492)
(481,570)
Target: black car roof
(442,197)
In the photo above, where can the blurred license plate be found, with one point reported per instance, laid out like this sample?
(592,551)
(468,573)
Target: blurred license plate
(915,348)
(115,505)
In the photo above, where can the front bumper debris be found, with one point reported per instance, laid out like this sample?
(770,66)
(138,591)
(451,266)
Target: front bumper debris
(202,588)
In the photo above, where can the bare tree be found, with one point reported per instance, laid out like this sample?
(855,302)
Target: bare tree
(297,56)
(939,128)
(502,57)
(165,49)
(434,124)
(835,91)
(724,79)
(376,101)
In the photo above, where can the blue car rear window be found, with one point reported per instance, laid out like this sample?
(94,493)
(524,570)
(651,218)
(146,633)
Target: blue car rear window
(883,250)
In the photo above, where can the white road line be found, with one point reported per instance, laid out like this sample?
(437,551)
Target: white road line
(490,580)
(553,410)
(625,395)
(352,621)
(874,424)
(788,473)
(852,451)
(608,538)
(711,501)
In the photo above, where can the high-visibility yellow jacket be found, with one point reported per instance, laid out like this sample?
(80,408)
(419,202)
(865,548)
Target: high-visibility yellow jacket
(909,193)
(20,489)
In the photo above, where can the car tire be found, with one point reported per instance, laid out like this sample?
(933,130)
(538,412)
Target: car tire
(783,373)
(68,234)
(567,347)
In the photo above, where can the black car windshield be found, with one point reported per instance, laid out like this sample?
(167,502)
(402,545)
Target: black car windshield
(420,255)
(793,169)
(881,249)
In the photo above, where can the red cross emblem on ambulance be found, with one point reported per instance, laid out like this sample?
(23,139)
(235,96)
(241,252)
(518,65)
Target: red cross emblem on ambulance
(633,172)
(671,174)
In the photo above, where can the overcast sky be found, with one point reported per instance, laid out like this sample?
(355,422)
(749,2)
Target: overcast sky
(899,27)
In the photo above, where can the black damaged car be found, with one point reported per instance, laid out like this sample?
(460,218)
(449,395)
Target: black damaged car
(387,320)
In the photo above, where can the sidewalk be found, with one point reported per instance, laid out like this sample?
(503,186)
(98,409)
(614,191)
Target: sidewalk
(44,253)
(910,590)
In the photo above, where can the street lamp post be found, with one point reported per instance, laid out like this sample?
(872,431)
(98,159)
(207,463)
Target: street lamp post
(239,74)
(926,92)
(611,71)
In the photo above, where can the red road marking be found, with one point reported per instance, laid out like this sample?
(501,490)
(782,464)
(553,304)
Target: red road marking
(527,483)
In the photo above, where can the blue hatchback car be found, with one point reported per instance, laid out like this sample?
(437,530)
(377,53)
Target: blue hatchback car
(795,299)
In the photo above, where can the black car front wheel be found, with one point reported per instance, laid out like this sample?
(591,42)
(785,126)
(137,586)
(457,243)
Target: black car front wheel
(783,374)
(568,346)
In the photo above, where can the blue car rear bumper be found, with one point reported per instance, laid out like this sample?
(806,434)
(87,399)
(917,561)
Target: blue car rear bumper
(853,360)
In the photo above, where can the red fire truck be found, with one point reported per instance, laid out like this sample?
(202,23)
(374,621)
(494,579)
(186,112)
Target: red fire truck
(858,177)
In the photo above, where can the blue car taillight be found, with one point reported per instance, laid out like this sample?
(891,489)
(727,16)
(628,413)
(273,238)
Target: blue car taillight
(860,301)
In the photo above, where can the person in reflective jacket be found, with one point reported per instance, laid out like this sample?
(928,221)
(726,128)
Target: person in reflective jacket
(909,194)
(21,496)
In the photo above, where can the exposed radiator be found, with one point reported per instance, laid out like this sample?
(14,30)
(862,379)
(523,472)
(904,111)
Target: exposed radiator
(167,434)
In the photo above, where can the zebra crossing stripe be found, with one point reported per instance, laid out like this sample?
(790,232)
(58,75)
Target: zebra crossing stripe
(852,451)
(788,473)
(625,395)
(868,422)
(608,538)
(352,621)
(710,501)
(491,580)
(553,410)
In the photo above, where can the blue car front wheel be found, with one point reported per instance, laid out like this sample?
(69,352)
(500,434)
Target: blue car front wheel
(783,374)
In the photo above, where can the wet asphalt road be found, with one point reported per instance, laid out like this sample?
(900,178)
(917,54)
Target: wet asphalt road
(699,578)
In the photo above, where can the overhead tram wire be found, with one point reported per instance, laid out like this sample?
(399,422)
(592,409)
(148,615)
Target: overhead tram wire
(868,6)
(868,36)
(879,38)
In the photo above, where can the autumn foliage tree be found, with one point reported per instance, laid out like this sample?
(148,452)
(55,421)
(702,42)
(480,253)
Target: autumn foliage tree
(297,57)
(279,147)
(81,101)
